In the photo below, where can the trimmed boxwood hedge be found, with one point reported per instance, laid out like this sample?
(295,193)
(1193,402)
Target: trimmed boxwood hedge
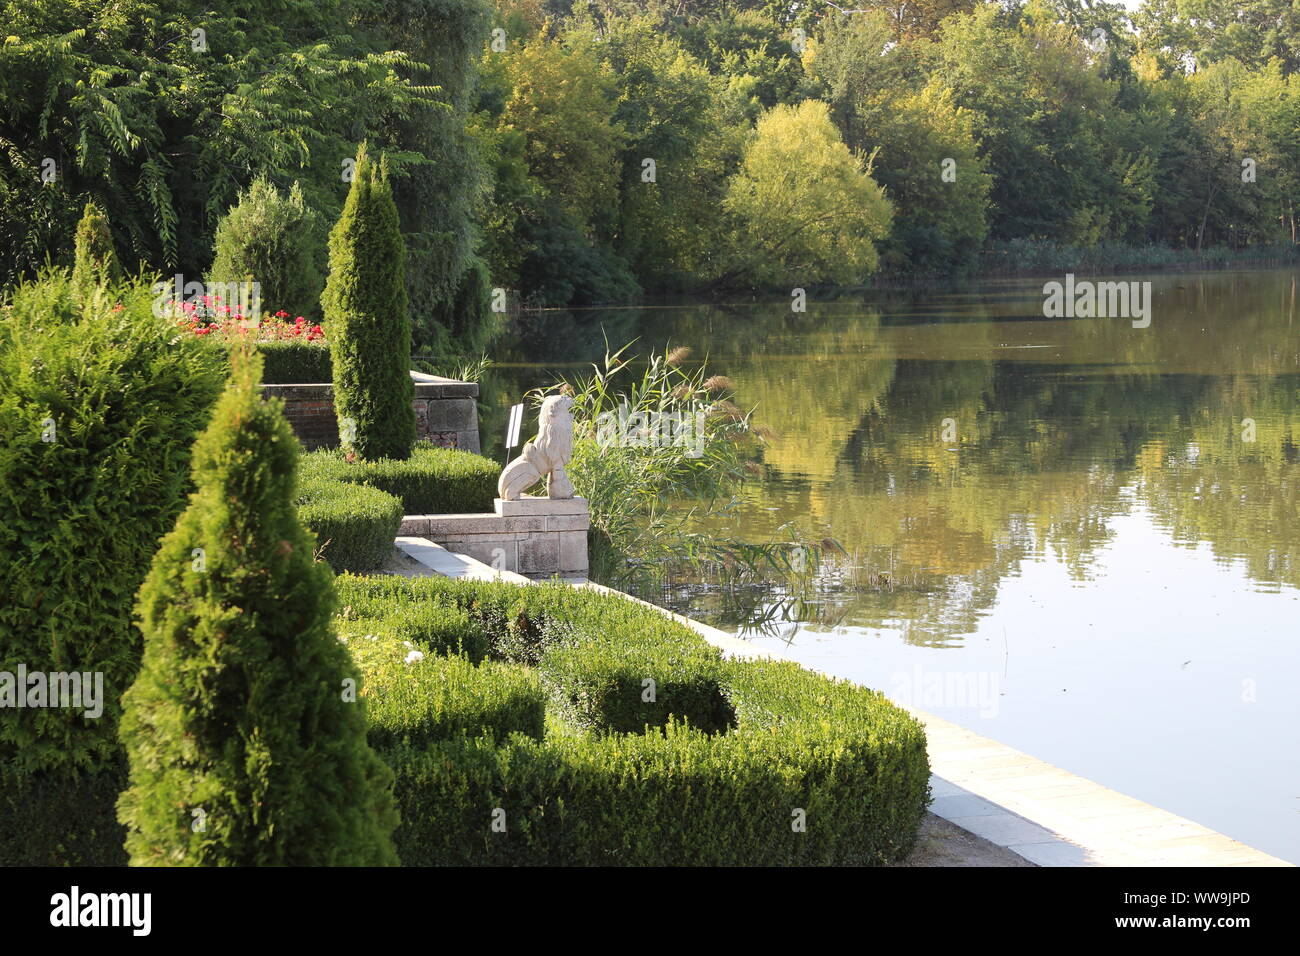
(434,627)
(291,363)
(432,481)
(790,746)
(354,525)
(415,702)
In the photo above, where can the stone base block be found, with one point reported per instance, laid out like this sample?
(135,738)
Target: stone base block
(538,537)
(529,505)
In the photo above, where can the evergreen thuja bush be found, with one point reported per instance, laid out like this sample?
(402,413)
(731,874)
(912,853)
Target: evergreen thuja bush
(244,732)
(368,322)
(100,404)
(273,240)
(95,260)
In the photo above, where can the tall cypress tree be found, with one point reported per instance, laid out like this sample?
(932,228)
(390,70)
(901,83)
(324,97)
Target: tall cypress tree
(246,740)
(367,320)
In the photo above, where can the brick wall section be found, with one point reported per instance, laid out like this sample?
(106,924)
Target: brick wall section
(445,412)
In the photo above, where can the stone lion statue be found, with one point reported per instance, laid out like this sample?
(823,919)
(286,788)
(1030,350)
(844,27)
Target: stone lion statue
(545,457)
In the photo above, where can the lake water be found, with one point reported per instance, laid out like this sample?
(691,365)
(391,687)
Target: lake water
(1074,536)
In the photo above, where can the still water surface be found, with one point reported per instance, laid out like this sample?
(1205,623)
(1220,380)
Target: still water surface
(1076,537)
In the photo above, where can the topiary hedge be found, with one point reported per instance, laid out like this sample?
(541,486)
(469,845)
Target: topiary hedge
(415,698)
(99,407)
(798,768)
(432,481)
(354,525)
(291,363)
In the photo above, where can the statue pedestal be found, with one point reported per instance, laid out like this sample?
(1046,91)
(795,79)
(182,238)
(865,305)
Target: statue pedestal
(529,505)
(537,537)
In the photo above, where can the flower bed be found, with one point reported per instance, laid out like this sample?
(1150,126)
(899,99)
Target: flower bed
(795,768)
(293,350)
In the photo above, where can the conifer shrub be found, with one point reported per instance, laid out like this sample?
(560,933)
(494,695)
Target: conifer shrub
(245,737)
(432,481)
(274,240)
(99,408)
(354,525)
(95,260)
(369,324)
(61,817)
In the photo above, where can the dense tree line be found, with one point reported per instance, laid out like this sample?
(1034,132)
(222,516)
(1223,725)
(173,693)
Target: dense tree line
(987,126)
(579,151)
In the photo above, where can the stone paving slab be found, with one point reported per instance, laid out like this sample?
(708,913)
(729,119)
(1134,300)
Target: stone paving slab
(437,558)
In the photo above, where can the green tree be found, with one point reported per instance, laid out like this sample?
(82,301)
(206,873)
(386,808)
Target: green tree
(563,100)
(469,322)
(1195,33)
(806,210)
(273,240)
(369,325)
(95,259)
(677,120)
(439,193)
(164,124)
(247,744)
(548,125)
(925,150)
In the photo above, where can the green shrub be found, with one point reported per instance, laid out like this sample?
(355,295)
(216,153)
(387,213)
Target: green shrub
(98,411)
(273,240)
(95,261)
(432,481)
(677,798)
(443,630)
(791,745)
(243,716)
(291,363)
(624,686)
(368,321)
(414,698)
(354,525)
(61,818)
